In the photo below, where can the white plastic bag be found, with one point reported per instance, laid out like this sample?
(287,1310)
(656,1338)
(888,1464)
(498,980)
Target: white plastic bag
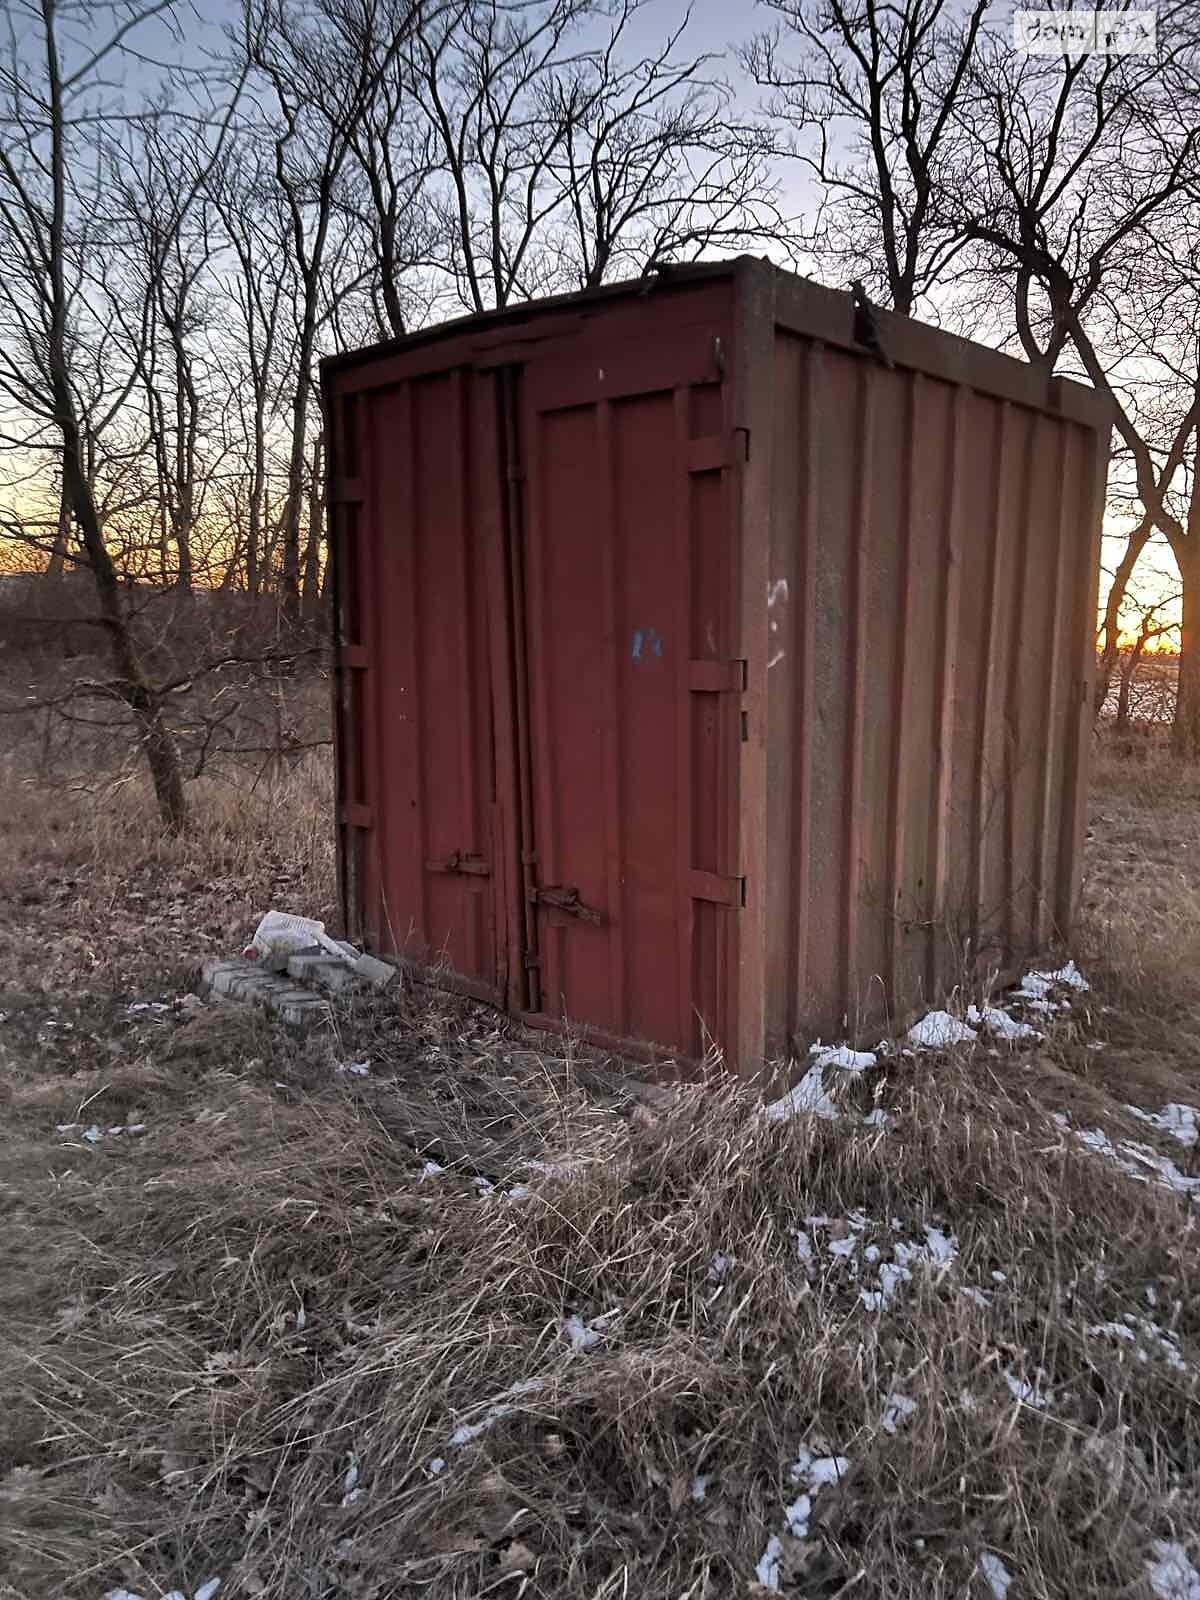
(280,935)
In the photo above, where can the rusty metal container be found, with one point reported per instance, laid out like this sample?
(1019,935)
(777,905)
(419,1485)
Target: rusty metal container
(704,684)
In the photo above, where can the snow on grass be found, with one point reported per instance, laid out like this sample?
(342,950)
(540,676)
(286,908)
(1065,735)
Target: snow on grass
(1181,1122)
(938,1030)
(842,1056)
(1138,1161)
(897,1408)
(587,1335)
(355,1069)
(96,1133)
(815,1473)
(206,1591)
(1036,1395)
(502,1406)
(1000,1025)
(1172,1574)
(1142,1332)
(995,1574)
(806,1096)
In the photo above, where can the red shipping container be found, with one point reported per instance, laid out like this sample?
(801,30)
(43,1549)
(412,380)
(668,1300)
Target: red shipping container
(704,684)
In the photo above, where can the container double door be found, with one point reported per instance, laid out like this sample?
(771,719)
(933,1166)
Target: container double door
(577,859)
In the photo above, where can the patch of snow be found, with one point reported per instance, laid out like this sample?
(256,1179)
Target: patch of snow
(350,1476)
(207,1590)
(587,1335)
(519,1191)
(897,1408)
(998,1023)
(356,1069)
(718,1267)
(496,1412)
(700,1485)
(823,1470)
(804,1247)
(842,1056)
(1035,1394)
(967,1400)
(1136,1160)
(806,1096)
(1182,1122)
(484,1185)
(767,1570)
(996,1574)
(122,1594)
(843,1247)
(875,1119)
(977,1296)
(435,1465)
(430,1170)
(941,1246)
(938,1031)
(1172,1574)
(92,1134)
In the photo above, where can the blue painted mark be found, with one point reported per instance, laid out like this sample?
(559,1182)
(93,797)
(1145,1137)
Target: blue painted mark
(646,643)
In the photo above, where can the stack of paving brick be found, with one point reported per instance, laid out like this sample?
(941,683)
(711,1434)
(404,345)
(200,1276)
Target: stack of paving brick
(281,989)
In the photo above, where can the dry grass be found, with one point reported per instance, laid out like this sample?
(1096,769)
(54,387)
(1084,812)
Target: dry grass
(210,1324)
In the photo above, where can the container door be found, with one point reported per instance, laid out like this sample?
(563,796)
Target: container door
(421,786)
(634,698)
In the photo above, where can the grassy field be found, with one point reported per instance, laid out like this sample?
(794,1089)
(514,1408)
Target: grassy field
(482,1318)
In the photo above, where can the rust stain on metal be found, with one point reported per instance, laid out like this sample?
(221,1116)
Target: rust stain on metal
(701,683)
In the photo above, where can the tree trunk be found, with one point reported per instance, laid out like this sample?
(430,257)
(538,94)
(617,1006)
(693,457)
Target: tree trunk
(1128,674)
(58,555)
(1185,730)
(311,593)
(1116,594)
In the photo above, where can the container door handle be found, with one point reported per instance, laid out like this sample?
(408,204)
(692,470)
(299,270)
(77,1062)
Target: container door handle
(561,897)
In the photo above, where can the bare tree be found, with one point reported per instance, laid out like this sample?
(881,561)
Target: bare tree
(321,65)
(655,165)
(55,115)
(871,93)
(1076,165)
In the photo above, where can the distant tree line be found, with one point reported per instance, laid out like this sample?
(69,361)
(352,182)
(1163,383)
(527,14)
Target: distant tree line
(191,217)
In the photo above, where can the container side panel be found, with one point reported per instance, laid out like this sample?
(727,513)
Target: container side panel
(1032,732)
(880,621)
(830,628)
(957,911)
(1061,665)
(791,421)
(918,732)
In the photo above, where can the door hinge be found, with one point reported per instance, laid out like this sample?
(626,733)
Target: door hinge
(717,888)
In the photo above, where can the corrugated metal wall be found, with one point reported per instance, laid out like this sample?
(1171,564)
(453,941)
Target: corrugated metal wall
(931,552)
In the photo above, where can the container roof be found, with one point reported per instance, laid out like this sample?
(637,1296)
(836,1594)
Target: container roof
(802,306)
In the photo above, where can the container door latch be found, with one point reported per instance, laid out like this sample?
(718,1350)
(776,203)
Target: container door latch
(560,897)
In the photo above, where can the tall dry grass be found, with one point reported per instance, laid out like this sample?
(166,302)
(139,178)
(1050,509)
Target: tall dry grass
(238,1344)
